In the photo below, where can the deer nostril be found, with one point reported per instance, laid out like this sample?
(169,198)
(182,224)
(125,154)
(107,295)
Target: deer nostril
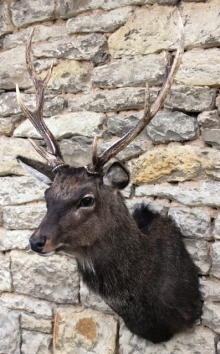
(38,245)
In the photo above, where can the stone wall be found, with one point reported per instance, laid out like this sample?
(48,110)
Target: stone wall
(103,52)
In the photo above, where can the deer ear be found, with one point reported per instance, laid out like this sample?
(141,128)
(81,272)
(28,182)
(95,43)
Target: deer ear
(117,176)
(39,170)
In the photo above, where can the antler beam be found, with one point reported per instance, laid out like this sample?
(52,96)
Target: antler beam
(54,157)
(149,111)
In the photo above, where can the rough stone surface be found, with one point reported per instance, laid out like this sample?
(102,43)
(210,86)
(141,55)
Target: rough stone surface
(209,119)
(6,126)
(41,308)
(106,22)
(216,231)
(211,316)
(70,77)
(210,289)
(11,239)
(5,275)
(81,330)
(200,253)
(34,323)
(172,126)
(180,164)
(130,72)
(41,277)
(215,259)
(192,223)
(212,137)
(197,340)
(204,193)
(36,343)
(190,99)
(77,151)
(90,47)
(9,164)
(25,12)
(9,331)
(134,149)
(18,190)
(23,217)
(5,20)
(67,125)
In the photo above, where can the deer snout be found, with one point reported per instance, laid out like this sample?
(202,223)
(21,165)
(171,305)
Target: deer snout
(38,245)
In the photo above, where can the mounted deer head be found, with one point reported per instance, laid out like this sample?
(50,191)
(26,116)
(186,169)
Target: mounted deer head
(138,263)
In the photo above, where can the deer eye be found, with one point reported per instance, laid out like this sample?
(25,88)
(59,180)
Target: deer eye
(87,202)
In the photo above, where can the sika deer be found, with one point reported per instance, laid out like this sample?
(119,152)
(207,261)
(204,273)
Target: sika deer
(138,264)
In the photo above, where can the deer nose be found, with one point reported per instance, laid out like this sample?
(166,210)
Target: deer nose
(38,245)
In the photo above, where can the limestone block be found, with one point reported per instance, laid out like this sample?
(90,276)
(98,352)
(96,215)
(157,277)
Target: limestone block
(215,259)
(200,30)
(35,343)
(31,305)
(9,164)
(6,126)
(5,275)
(180,164)
(216,231)
(70,8)
(34,323)
(9,331)
(41,33)
(79,331)
(5,20)
(100,22)
(212,137)
(209,119)
(19,190)
(196,340)
(200,254)
(192,222)
(135,37)
(23,217)
(113,100)
(172,126)
(70,76)
(130,72)
(11,239)
(210,289)
(190,99)
(204,193)
(200,68)
(211,316)
(134,149)
(53,278)
(92,300)
(90,47)
(13,69)
(54,104)
(77,151)
(120,124)
(217,102)
(67,125)
(25,12)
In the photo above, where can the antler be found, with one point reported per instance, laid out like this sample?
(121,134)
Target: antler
(149,111)
(54,157)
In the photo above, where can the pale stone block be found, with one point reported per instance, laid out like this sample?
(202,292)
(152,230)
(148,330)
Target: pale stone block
(9,331)
(215,270)
(212,137)
(209,119)
(41,308)
(79,331)
(53,278)
(19,190)
(197,340)
(210,289)
(23,217)
(33,323)
(5,20)
(6,126)
(192,222)
(5,274)
(35,343)
(211,316)
(67,125)
(11,239)
(216,231)
(200,254)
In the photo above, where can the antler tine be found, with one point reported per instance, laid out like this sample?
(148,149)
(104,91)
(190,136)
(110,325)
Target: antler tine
(54,158)
(149,111)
